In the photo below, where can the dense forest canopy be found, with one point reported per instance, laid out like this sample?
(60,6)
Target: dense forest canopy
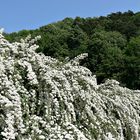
(112,42)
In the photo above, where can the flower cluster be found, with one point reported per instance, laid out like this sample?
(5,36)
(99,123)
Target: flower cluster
(42,98)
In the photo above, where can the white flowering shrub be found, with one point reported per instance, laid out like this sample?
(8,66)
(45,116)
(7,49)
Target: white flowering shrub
(44,99)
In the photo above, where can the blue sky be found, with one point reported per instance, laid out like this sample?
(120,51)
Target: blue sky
(16,15)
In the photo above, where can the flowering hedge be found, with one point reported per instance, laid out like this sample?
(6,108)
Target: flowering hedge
(44,99)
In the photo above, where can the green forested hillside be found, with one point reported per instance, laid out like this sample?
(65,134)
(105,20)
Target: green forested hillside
(112,42)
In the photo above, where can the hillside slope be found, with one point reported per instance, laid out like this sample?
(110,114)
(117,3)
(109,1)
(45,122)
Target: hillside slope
(112,42)
(42,98)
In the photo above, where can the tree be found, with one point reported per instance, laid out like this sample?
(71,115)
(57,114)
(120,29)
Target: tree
(106,57)
(131,75)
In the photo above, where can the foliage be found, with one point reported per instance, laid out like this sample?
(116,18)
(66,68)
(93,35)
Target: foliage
(42,98)
(106,58)
(132,64)
(112,35)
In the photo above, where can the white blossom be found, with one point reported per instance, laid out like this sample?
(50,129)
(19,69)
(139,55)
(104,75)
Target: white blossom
(42,98)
